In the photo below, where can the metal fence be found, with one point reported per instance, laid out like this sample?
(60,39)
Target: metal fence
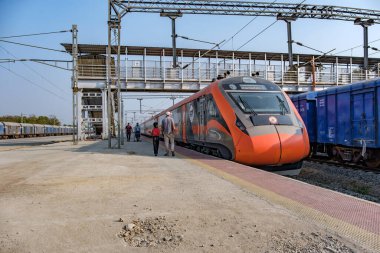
(161,71)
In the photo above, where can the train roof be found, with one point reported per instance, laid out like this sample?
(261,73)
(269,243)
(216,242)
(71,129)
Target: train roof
(249,83)
(11,124)
(27,124)
(348,87)
(311,95)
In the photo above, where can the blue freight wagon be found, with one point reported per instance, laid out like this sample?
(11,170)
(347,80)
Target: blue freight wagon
(348,121)
(306,106)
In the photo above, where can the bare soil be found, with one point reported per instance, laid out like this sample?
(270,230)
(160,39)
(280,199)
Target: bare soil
(87,198)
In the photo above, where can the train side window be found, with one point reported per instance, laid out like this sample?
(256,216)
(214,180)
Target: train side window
(212,111)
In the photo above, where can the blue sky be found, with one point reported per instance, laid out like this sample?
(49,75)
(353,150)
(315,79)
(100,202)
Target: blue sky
(35,16)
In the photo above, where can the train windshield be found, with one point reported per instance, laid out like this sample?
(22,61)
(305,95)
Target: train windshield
(261,102)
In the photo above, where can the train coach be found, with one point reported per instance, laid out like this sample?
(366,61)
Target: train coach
(22,130)
(344,122)
(11,130)
(244,119)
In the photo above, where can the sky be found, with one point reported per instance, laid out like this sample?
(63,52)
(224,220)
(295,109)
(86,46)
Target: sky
(30,88)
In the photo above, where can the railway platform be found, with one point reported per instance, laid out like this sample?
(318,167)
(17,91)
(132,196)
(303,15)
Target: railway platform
(66,198)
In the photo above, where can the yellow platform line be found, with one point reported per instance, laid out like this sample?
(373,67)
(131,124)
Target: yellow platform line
(352,232)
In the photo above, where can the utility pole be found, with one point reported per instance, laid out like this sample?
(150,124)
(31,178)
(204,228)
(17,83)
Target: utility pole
(313,73)
(114,27)
(288,20)
(365,24)
(172,98)
(74,83)
(173,16)
(122,122)
(140,104)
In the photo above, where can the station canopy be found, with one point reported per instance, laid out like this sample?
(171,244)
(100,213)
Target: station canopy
(188,52)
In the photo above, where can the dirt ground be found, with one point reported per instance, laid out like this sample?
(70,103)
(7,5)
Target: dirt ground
(87,198)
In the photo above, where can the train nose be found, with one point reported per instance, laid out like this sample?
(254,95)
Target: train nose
(293,146)
(266,147)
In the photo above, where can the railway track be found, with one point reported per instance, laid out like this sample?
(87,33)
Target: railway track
(345,178)
(324,159)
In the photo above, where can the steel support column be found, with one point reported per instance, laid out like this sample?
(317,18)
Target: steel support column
(365,24)
(109,94)
(336,71)
(114,27)
(365,47)
(174,43)
(122,122)
(104,114)
(290,42)
(250,63)
(74,85)
(118,87)
(173,16)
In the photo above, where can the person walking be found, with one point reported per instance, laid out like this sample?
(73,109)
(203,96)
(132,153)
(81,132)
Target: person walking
(168,130)
(137,131)
(128,129)
(156,137)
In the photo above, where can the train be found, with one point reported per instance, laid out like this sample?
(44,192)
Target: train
(249,120)
(23,130)
(343,122)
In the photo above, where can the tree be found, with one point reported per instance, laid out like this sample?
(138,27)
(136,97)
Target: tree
(32,119)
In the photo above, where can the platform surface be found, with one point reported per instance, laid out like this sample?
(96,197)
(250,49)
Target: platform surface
(66,198)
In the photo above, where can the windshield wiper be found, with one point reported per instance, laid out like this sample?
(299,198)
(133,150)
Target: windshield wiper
(246,105)
(282,105)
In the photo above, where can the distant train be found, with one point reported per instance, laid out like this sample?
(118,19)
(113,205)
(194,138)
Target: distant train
(344,122)
(22,130)
(244,119)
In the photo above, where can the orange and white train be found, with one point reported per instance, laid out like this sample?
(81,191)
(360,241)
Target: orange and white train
(245,119)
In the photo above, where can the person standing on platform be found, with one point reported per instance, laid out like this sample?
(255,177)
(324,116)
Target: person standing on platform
(137,131)
(168,130)
(156,137)
(128,129)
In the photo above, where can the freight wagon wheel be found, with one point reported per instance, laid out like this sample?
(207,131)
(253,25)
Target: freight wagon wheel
(373,163)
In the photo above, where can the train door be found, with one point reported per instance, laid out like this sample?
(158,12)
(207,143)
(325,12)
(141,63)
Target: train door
(363,118)
(202,118)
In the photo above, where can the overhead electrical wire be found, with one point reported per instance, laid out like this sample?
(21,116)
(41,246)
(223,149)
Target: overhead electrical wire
(27,45)
(30,68)
(33,83)
(241,29)
(202,41)
(34,34)
(216,45)
(263,30)
(223,42)
(302,45)
(355,47)
(258,34)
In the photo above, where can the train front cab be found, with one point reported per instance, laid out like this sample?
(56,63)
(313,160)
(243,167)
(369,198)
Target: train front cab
(266,128)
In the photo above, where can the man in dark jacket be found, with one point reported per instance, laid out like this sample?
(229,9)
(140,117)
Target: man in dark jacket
(168,130)
(128,129)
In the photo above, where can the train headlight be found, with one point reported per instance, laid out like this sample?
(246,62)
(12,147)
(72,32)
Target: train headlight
(240,125)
